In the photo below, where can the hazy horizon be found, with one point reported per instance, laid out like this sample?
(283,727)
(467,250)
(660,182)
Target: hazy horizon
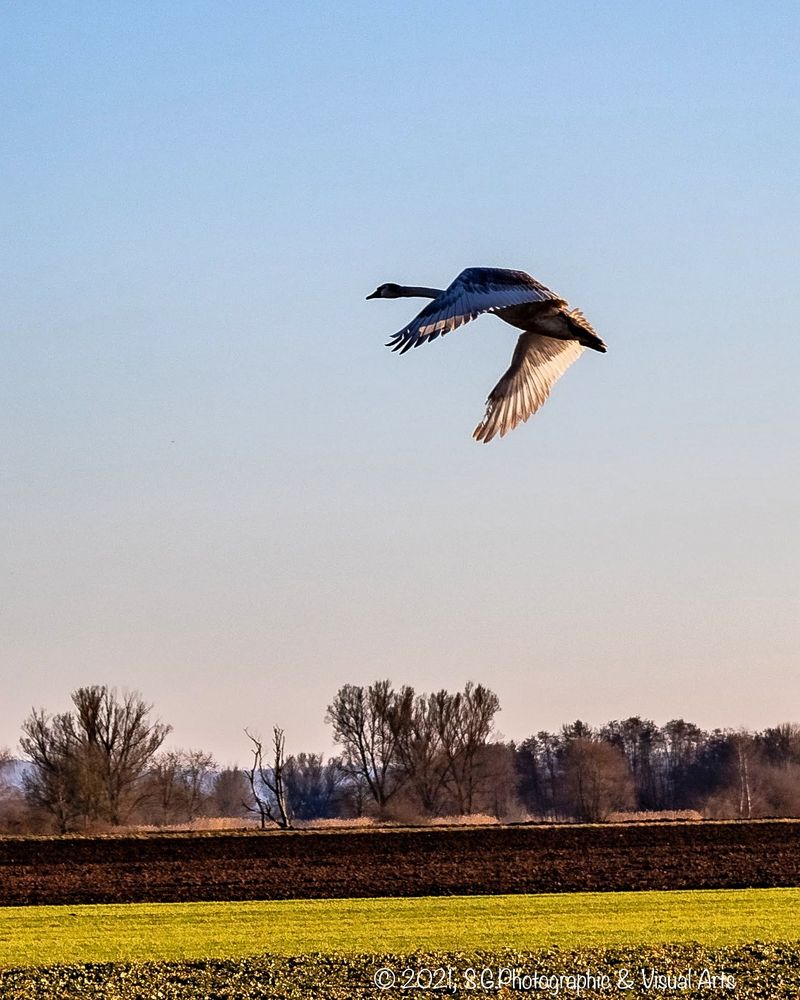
(221,490)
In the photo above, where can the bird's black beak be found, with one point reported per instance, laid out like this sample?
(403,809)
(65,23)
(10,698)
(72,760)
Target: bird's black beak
(374,295)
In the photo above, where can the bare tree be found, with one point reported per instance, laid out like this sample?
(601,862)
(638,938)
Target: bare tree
(267,783)
(428,744)
(498,796)
(196,770)
(180,782)
(230,792)
(780,744)
(596,779)
(119,742)
(776,789)
(165,784)
(51,783)
(88,763)
(641,741)
(464,722)
(418,747)
(362,724)
(744,748)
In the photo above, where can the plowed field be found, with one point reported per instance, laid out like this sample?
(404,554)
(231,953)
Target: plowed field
(304,865)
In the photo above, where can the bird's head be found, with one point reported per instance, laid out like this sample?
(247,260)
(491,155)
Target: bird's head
(387,291)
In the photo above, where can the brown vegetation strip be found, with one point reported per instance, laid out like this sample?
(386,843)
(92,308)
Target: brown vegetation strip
(302,865)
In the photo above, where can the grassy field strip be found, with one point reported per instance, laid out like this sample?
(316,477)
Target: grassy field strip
(40,935)
(34,935)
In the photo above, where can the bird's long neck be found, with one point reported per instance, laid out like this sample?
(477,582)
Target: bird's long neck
(413,292)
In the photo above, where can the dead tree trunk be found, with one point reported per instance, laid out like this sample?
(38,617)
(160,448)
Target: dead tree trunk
(267,783)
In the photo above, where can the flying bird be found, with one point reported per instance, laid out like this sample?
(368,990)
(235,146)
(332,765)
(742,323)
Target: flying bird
(553,335)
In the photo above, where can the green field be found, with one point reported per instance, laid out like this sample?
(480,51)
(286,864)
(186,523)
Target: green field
(39,935)
(335,949)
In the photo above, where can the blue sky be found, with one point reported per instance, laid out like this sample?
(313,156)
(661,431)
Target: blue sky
(220,489)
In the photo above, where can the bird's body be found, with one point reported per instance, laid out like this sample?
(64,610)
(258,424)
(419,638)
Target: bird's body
(554,335)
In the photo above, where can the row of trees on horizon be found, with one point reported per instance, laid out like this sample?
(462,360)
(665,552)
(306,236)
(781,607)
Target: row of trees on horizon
(404,756)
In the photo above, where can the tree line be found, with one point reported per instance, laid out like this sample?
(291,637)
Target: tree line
(403,756)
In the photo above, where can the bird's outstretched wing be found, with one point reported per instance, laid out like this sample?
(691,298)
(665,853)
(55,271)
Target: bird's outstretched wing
(538,362)
(476,290)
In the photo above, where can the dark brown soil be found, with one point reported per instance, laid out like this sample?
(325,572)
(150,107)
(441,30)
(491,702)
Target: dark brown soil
(303,865)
